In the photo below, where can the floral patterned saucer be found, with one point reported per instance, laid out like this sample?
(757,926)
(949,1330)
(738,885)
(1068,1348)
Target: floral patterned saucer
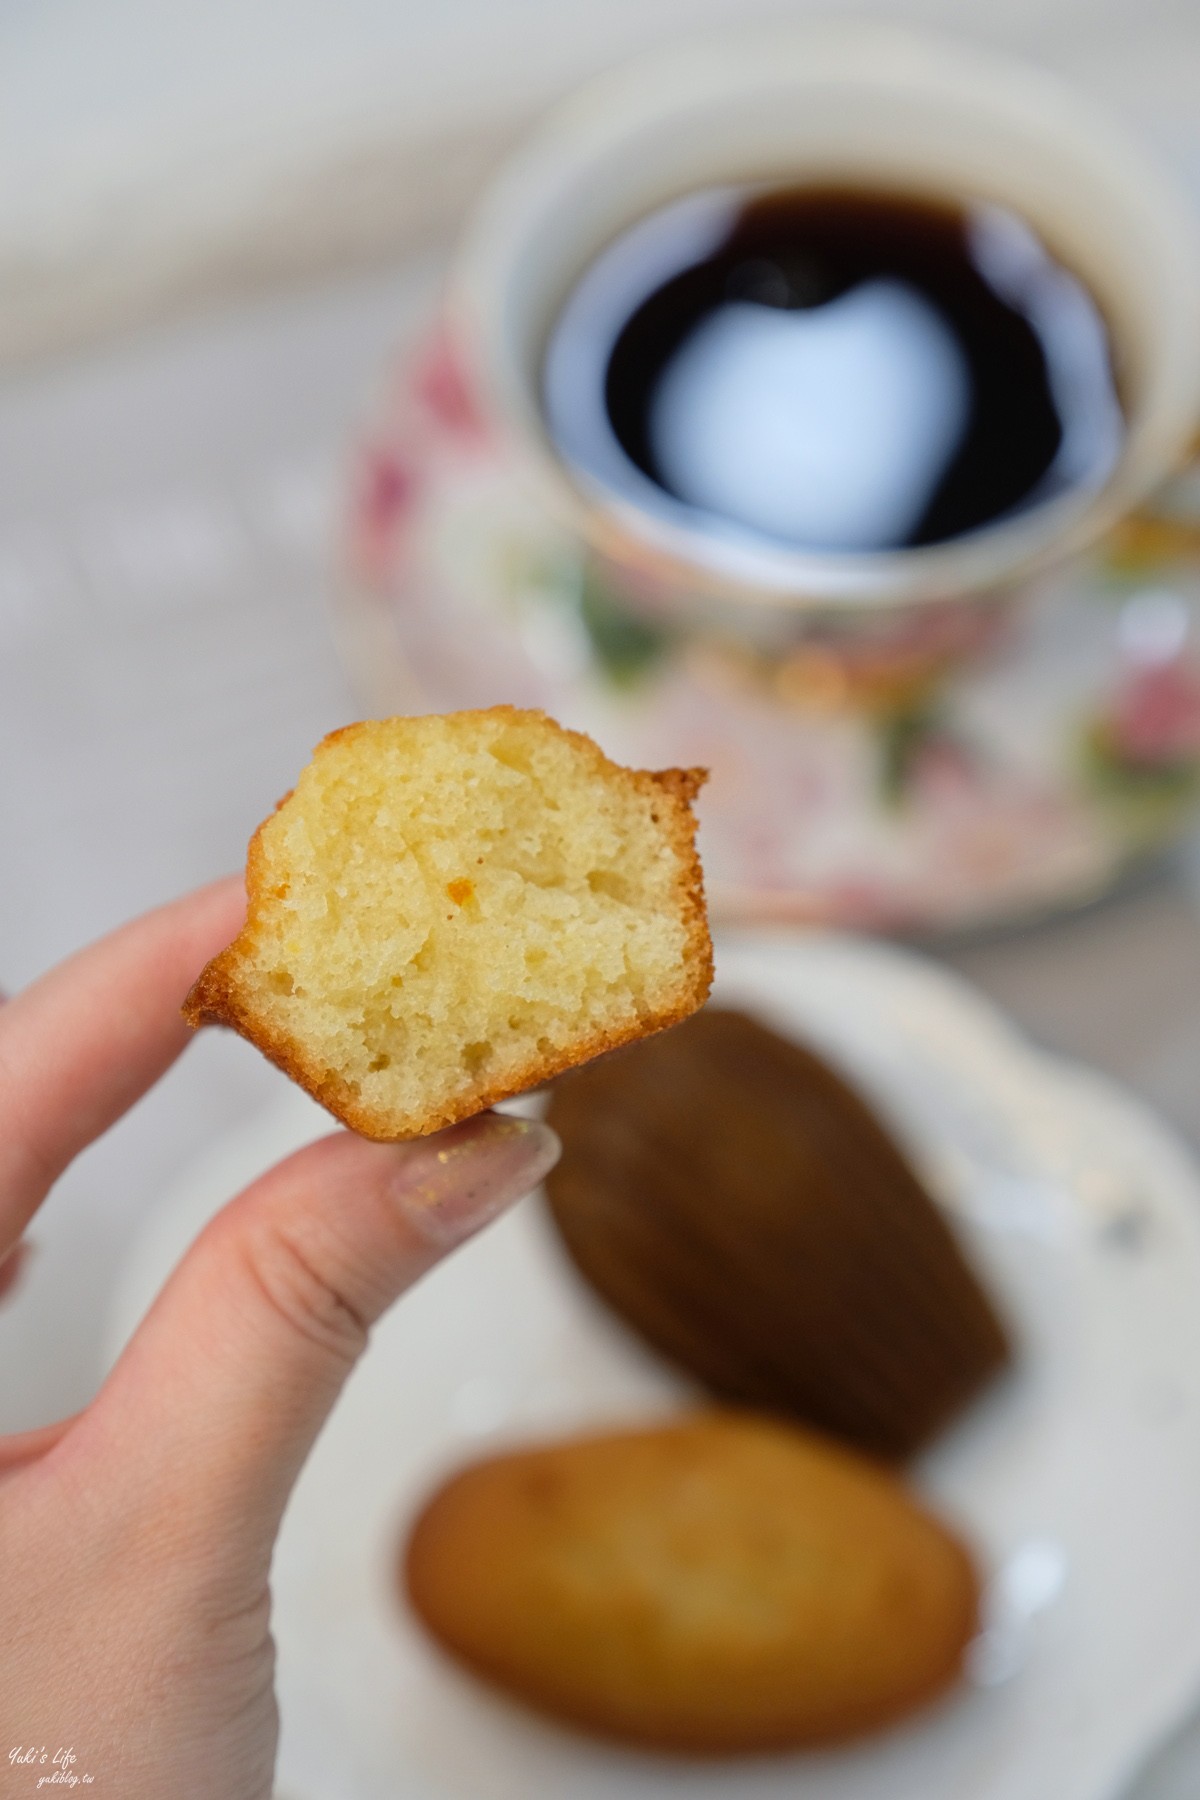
(938,767)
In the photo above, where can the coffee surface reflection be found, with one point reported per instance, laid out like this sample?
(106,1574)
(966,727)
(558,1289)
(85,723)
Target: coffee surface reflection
(832,370)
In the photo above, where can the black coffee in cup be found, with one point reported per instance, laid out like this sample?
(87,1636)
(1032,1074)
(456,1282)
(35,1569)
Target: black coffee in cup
(833,369)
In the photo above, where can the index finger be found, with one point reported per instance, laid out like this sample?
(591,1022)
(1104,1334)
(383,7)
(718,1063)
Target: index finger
(80,1045)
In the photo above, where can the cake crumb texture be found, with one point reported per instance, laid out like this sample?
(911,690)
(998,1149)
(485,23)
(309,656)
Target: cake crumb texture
(449,909)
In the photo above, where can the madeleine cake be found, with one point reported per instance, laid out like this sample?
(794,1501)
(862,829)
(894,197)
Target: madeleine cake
(718,1585)
(746,1212)
(450,909)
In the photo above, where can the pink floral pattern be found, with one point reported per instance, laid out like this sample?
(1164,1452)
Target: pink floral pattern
(1154,720)
(937,766)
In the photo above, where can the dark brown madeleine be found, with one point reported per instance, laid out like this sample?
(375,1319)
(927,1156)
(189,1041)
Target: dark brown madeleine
(745,1211)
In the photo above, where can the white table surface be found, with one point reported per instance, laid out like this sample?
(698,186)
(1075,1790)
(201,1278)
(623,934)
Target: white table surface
(151,153)
(167,521)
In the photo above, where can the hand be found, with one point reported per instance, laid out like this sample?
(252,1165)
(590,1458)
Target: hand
(135,1538)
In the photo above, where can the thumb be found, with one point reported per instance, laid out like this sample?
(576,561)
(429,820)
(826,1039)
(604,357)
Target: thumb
(218,1398)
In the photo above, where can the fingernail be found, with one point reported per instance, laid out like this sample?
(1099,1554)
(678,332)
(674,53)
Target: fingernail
(454,1183)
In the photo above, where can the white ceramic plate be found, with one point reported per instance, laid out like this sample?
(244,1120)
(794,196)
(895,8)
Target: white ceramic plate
(1078,1480)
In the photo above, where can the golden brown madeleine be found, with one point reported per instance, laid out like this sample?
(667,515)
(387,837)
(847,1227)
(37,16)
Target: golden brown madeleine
(744,1210)
(450,909)
(721,1585)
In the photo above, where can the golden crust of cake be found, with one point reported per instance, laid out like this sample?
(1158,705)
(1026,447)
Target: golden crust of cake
(721,1585)
(450,909)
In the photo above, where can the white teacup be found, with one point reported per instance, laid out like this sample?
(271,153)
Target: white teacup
(992,724)
(830,103)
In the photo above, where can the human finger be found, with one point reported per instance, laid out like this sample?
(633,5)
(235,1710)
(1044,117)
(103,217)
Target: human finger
(222,1391)
(80,1045)
(13,1266)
